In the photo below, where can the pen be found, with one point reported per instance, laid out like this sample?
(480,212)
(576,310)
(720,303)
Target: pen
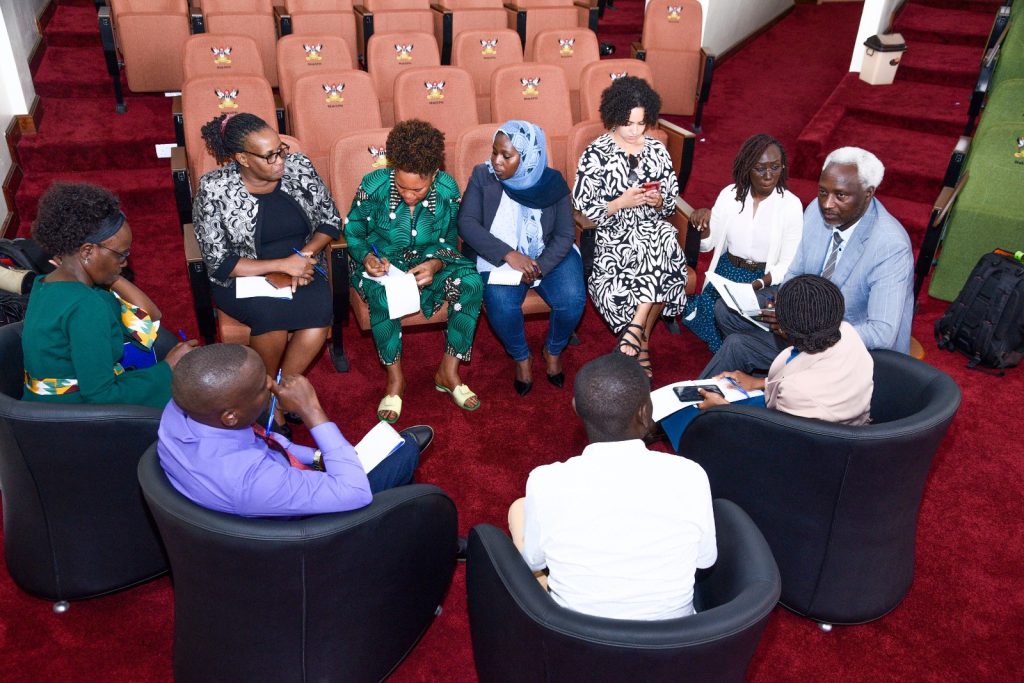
(273,404)
(181,333)
(736,384)
(316,266)
(375,252)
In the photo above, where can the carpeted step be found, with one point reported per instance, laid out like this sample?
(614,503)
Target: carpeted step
(73,26)
(983,6)
(67,139)
(941,64)
(921,23)
(73,72)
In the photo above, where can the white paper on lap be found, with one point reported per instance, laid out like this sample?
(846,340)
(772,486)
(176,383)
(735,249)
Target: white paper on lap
(401,291)
(251,286)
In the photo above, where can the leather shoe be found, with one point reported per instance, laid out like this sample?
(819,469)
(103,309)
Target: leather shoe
(460,550)
(522,388)
(423,435)
(558,380)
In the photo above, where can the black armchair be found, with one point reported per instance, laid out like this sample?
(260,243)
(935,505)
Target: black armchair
(521,634)
(75,524)
(837,504)
(338,597)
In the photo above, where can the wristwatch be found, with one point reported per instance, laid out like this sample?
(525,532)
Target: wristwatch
(318,461)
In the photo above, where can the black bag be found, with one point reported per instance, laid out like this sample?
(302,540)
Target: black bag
(986,321)
(24,253)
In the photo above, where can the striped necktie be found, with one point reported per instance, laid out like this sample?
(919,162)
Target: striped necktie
(833,256)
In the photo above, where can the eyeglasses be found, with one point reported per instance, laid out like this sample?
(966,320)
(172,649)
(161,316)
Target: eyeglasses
(122,256)
(767,170)
(272,157)
(634,163)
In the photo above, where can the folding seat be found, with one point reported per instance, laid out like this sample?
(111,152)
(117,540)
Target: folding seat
(301,54)
(440,95)
(452,17)
(216,54)
(671,46)
(149,35)
(572,49)
(328,104)
(253,18)
(537,93)
(321,17)
(530,17)
(597,76)
(391,16)
(481,53)
(389,54)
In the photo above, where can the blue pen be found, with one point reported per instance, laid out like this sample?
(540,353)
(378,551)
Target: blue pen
(181,333)
(736,384)
(316,266)
(375,252)
(273,404)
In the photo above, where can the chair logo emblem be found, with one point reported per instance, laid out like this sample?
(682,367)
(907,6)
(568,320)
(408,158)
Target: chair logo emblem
(435,91)
(489,48)
(531,90)
(221,55)
(617,75)
(313,53)
(1019,154)
(380,156)
(403,53)
(334,91)
(227,98)
(673,13)
(565,46)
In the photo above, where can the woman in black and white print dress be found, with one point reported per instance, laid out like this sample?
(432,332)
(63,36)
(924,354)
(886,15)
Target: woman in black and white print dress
(639,267)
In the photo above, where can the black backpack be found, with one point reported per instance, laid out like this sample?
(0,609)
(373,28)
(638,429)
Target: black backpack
(986,321)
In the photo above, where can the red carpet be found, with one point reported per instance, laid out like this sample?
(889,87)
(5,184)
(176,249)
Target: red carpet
(962,619)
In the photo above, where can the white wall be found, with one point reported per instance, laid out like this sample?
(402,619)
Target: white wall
(729,22)
(875,18)
(17,37)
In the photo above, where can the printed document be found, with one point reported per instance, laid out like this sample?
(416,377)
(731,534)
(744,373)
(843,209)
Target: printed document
(400,288)
(739,296)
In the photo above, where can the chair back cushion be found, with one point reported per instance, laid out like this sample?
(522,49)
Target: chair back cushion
(212,54)
(389,54)
(151,35)
(442,96)
(308,53)
(353,155)
(480,53)
(253,18)
(597,76)
(537,93)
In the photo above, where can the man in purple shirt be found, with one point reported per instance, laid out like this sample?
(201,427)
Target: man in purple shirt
(212,455)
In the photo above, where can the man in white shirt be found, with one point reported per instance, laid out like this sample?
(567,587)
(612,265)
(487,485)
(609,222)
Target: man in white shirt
(620,529)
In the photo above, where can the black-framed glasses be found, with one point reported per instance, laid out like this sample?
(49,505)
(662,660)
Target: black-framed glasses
(765,170)
(272,157)
(122,256)
(634,163)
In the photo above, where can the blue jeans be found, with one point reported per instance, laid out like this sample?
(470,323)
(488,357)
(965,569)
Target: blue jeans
(397,468)
(563,290)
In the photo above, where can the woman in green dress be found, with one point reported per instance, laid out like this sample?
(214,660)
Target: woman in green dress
(406,216)
(81,316)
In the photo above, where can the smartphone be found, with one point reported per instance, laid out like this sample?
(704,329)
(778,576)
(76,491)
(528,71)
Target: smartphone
(653,185)
(690,394)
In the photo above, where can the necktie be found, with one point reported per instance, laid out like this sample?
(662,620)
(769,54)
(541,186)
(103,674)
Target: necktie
(833,256)
(278,448)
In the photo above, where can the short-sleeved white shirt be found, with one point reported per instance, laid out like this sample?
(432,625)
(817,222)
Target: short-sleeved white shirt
(621,529)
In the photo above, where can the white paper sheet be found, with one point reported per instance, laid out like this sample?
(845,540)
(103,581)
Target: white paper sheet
(666,402)
(251,286)
(739,296)
(379,443)
(401,291)
(505,275)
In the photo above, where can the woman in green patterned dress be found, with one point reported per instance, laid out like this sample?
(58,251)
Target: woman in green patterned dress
(406,216)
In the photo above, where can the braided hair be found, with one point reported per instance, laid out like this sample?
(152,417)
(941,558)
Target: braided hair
(810,310)
(225,135)
(748,156)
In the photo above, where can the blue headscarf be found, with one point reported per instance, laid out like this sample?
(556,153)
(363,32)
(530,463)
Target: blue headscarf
(533,185)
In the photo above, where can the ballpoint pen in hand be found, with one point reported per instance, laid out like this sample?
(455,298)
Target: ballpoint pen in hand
(316,266)
(273,404)
(181,333)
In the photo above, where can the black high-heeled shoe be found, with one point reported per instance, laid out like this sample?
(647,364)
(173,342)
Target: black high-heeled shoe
(557,379)
(522,388)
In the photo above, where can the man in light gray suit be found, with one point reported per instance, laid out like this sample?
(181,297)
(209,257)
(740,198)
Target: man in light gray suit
(850,239)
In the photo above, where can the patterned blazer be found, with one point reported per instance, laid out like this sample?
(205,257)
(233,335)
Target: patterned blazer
(227,221)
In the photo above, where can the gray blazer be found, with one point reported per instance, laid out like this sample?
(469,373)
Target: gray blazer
(875,274)
(480,204)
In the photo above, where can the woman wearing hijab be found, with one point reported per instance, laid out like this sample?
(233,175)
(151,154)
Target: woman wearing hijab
(516,215)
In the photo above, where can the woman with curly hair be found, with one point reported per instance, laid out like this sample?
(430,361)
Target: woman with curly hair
(267,213)
(625,185)
(83,318)
(756,223)
(406,216)
(826,373)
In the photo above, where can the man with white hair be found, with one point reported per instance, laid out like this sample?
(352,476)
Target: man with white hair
(850,239)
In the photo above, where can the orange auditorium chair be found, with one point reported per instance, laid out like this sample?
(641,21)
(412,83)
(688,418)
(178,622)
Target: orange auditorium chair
(671,46)
(442,96)
(149,35)
(320,17)
(328,104)
(481,53)
(571,49)
(254,18)
(530,17)
(301,54)
(216,54)
(599,75)
(391,16)
(452,17)
(389,54)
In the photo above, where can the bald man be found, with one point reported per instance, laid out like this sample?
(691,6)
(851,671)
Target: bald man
(212,455)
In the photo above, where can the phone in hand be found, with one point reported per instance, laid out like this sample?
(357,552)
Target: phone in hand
(690,394)
(654,185)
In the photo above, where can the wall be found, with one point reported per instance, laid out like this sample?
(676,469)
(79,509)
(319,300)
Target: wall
(18,35)
(728,22)
(875,18)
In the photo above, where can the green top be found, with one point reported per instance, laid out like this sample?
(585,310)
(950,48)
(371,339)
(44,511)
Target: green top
(74,332)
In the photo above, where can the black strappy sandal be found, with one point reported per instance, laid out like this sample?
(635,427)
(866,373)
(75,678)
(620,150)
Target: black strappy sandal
(630,340)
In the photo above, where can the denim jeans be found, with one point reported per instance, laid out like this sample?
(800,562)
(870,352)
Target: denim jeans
(563,290)
(397,468)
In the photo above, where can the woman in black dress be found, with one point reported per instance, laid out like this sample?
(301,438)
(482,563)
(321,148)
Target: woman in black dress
(251,216)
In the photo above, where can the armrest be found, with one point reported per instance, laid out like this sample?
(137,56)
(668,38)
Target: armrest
(956,160)
(108,38)
(182,184)
(195,16)
(681,144)
(707,67)
(516,21)
(192,251)
(588,14)
(202,297)
(637,51)
(443,22)
(179,159)
(947,197)
(364,30)
(178,119)
(586,239)
(282,20)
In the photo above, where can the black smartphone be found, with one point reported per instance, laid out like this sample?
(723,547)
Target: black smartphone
(690,393)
